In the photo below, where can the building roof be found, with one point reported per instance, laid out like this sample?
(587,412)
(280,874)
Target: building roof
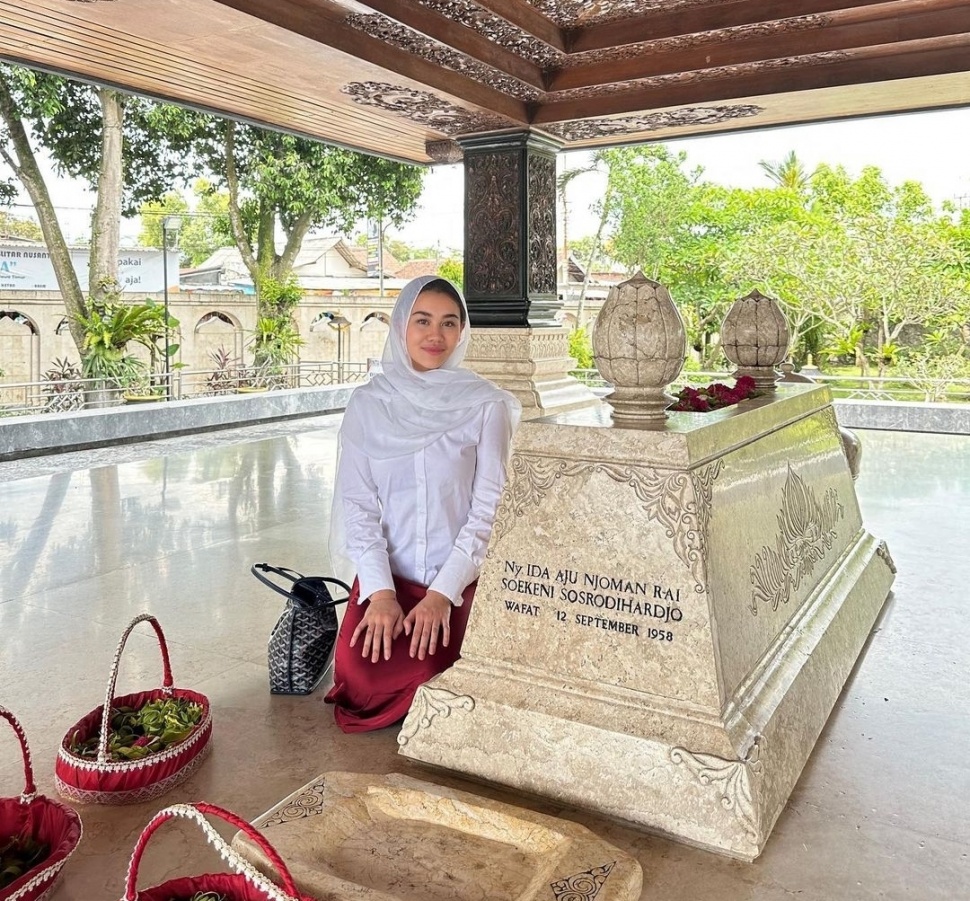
(404,79)
(315,248)
(416,268)
(311,253)
(391,263)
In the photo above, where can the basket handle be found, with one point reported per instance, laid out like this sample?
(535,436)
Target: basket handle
(167,683)
(195,812)
(30,790)
(258,569)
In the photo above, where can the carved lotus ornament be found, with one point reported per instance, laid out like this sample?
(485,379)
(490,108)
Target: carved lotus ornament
(755,336)
(639,344)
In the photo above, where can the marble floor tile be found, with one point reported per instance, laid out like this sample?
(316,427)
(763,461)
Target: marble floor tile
(90,539)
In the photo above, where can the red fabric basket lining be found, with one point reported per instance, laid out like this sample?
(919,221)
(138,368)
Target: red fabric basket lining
(42,819)
(126,778)
(234,886)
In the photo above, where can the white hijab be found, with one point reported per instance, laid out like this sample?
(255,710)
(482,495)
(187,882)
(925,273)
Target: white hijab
(402,410)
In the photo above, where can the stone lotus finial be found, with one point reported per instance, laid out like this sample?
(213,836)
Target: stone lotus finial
(639,345)
(754,337)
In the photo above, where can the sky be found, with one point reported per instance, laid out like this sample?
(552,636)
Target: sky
(927,147)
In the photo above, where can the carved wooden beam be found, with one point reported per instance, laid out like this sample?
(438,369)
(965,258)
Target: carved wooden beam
(529,19)
(887,62)
(883,23)
(133,62)
(321,22)
(459,37)
(662,23)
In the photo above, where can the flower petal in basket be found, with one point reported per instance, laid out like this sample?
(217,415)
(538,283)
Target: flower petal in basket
(106,781)
(245,884)
(43,821)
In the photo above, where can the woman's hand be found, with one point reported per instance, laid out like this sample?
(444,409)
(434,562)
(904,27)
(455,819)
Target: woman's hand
(431,614)
(383,621)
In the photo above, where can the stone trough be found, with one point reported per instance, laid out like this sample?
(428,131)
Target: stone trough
(357,837)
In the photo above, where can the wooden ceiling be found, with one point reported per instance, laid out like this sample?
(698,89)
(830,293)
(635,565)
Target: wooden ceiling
(404,78)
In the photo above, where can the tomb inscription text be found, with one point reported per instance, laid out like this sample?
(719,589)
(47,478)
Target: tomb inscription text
(591,601)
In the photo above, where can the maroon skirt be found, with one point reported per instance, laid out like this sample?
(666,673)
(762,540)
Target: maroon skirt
(368,695)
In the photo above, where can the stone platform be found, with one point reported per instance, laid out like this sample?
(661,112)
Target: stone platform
(394,838)
(665,618)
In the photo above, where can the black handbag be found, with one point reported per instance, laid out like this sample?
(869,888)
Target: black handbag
(302,641)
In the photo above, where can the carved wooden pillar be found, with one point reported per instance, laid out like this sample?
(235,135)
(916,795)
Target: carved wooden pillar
(510,271)
(510,230)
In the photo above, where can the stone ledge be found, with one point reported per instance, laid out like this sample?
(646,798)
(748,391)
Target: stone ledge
(27,436)
(904,416)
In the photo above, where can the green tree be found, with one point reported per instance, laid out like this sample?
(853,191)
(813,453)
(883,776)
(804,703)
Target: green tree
(204,229)
(858,260)
(581,348)
(154,212)
(19,227)
(651,199)
(805,264)
(402,251)
(564,180)
(453,269)
(282,184)
(109,139)
(588,251)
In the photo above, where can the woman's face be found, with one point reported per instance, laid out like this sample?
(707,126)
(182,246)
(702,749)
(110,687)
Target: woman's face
(433,331)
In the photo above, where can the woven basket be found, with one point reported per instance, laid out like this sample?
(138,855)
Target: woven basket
(104,781)
(245,884)
(42,819)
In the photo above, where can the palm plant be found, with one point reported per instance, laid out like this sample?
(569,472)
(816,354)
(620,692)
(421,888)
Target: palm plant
(789,173)
(275,344)
(109,327)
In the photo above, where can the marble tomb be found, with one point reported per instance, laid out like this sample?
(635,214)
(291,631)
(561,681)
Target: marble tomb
(671,602)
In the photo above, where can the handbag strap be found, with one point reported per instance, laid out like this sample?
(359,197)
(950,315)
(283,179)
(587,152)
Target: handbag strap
(30,790)
(196,812)
(167,684)
(258,569)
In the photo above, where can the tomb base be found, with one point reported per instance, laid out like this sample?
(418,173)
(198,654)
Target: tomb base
(533,365)
(665,619)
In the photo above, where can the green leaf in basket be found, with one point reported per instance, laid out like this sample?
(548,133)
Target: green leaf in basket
(133,753)
(18,855)
(137,733)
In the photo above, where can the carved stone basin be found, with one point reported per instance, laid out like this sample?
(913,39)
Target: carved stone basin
(394,838)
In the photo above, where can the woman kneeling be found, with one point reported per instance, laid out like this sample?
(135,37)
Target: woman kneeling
(423,451)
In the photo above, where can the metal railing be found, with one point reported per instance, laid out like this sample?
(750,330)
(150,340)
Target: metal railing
(22,398)
(69,395)
(885,388)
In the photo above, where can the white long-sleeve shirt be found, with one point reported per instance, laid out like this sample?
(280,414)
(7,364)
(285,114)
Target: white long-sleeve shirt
(426,516)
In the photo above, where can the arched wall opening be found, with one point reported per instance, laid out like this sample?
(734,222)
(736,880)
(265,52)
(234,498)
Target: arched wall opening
(19,347)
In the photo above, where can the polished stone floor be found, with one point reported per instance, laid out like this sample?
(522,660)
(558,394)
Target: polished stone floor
(90,539)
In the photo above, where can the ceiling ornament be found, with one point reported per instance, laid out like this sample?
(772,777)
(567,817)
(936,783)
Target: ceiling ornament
(684,42)
(588,129)
(444,151)
(423,108)
(579,13)
(415,43)
(576,13)
(701,75)
(497,30)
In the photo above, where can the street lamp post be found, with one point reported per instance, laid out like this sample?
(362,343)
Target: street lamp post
(339,323)
(169,224)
